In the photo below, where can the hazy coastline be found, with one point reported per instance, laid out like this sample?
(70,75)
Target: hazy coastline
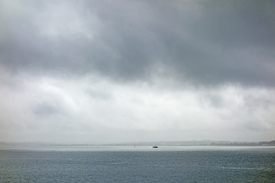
(159,143)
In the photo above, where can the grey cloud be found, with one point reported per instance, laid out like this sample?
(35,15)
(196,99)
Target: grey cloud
(45,109)
(205,43)
(99,95)
(214,100)
(253,102)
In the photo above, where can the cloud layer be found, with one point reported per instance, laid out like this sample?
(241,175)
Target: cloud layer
(137,70)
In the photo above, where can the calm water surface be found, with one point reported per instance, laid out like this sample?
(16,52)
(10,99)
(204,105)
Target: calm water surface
(137,164)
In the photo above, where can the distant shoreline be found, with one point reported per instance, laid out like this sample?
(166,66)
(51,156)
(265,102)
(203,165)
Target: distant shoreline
(159,143)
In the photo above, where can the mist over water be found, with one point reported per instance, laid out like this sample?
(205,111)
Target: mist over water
(136,164)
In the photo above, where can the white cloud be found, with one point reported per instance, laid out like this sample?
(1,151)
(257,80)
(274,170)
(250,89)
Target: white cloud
(101,109)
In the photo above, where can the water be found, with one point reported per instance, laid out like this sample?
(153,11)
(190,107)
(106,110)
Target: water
(139,164)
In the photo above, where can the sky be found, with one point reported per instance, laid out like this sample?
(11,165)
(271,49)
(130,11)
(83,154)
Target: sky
(137,71)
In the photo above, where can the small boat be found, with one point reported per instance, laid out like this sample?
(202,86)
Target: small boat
(155,146)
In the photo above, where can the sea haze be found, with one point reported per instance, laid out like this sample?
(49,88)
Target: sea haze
(137,164)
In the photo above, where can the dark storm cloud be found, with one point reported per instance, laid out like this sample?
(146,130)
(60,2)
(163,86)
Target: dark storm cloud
(202,42)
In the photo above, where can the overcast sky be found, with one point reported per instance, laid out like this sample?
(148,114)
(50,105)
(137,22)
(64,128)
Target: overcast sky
(137,70)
